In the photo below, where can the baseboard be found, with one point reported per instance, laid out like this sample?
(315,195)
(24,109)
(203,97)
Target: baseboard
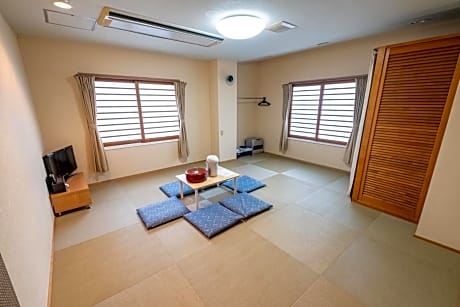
(90,181)
(438,244)
(50,281)
(304,161)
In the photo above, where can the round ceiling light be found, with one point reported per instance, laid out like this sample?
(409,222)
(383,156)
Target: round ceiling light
(240,26)
(63,4)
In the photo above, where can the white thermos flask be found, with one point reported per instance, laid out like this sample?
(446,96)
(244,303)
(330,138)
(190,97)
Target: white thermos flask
(212,162)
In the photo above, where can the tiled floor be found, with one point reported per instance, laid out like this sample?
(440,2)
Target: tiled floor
(314,248)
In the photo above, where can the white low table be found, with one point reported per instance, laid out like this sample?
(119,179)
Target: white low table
(223,175)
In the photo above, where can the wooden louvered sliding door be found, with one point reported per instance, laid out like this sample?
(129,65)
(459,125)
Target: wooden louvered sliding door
(409,104)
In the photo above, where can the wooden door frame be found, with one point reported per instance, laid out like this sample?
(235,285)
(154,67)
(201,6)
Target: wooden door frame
(376,89)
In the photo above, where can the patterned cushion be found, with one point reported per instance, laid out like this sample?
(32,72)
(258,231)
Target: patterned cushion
(173,189)
(245,184)
(213,219)
(245,204)
(162,212)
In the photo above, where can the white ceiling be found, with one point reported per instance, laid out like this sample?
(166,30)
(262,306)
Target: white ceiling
(317,20)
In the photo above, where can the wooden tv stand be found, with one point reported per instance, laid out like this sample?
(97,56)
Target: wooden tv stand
(77,195)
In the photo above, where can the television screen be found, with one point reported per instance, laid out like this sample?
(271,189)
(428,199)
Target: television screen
(60,163)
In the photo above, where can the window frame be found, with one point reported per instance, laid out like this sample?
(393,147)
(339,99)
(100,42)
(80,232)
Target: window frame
(322,83)
(136,81)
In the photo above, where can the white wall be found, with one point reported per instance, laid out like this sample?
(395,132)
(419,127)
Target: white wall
(51,65)
(227,109)
(223,109)
(247,109)
(26,219)
(214,107)
(342,59)
(440,219)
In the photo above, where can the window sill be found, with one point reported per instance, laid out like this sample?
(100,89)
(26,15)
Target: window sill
(316,142)
(116,147)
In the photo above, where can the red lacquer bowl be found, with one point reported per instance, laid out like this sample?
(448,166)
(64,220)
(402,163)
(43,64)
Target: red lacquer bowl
(196,174)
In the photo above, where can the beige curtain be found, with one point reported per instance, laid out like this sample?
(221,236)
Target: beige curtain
(183,149)
(287,101)
(361,83)
(86,85)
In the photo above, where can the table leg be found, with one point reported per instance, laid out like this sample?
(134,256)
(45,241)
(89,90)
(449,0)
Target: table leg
(196,199)
(181,188)
(235,188)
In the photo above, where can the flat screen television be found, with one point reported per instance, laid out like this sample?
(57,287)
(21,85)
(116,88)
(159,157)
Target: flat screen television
(60,163)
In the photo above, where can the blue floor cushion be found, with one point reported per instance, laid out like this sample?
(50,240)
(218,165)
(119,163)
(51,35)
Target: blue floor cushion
(162,212)
(173,189)
(245,184)
(213,219)
(245,204)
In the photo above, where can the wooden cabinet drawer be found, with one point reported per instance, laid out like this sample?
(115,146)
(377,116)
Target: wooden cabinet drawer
(76,196)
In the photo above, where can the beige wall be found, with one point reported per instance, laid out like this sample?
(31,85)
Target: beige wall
(51,65)
(343,59)
(26,219)
(248,82)
(440,219)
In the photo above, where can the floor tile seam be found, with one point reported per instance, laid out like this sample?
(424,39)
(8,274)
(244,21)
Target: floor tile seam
(163,245)
(310,172)
(287,253)
(400,250)
(355,297)
(241,173)
(306,209)
(276,170)
(295,179)
(407,254)
(327,187)
(349,228)
(109,199)
(265,178)
(208,243)
(308,288)
(138,282)
(170,258)
(335,199)
(281,250)
(367,235)
(131,285)
(357,230)
(312,185)
(98,236)
(316,274)
(361,230)
(332,263)
(330,219)
(182,258)
(334,284)
(190,283)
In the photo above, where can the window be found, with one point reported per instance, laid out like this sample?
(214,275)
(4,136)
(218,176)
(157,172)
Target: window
(323,110)
(135,111)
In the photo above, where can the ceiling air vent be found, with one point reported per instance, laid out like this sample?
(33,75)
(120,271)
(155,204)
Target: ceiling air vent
(281,26)
(69,20)
(121,20)
(443,15)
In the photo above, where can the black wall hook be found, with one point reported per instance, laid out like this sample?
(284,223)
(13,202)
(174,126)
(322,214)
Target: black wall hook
(263,103)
